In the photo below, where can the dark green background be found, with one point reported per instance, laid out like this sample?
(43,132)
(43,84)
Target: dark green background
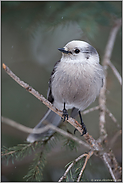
(31,34)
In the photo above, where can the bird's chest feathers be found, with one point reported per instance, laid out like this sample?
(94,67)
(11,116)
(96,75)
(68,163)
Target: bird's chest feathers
(73,74)
(73,78)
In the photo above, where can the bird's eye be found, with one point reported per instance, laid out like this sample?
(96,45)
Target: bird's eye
(77,51)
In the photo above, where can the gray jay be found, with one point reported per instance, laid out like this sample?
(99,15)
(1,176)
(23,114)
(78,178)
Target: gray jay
(75,83)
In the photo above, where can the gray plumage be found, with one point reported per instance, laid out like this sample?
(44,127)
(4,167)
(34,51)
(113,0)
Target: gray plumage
(76,80)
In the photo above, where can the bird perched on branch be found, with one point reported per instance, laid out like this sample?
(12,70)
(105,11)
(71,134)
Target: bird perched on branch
(75,82)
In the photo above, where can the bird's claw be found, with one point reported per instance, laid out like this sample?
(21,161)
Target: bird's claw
(84,130)
(65,114)
(75,130)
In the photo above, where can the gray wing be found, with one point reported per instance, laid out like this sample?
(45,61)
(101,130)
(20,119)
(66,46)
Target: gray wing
(49,92)
(49,118)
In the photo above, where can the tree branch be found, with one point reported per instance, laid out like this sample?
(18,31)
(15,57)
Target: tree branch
(42,130)
(112,165)
(72,164)
(109,157)
(116,73)
(86,160)
(105,62)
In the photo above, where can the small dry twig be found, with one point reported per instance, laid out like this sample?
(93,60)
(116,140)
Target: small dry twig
(112,117)
(116,73)
(75,161)
(91,110)
(113,140)
(86,160)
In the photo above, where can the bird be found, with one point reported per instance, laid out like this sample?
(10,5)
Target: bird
(75,82)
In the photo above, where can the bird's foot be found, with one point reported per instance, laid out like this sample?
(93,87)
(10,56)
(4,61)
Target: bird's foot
(65,115)
(84,130)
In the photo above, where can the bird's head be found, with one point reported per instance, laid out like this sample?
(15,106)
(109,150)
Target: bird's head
(79,51)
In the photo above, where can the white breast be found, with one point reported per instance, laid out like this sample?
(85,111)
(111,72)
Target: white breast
(76,84)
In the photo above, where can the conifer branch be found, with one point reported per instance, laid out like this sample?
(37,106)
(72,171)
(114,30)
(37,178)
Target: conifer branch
(72,164)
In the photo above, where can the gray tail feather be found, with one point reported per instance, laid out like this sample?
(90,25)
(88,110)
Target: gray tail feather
(49,118)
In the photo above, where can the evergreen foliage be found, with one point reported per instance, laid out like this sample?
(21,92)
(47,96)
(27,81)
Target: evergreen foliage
(72,145)
(88,14)
(35,172)
(74,172)
(19,152)
(41,149)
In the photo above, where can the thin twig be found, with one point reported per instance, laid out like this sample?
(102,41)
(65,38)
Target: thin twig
(112,117)
(42,130)
(91,110)
(97,108)
(112,165)
(113,140)
(116,73)
(71,165)
(108,165)
(86,160)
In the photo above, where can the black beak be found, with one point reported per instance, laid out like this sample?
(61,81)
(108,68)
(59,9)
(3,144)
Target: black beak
(63,50)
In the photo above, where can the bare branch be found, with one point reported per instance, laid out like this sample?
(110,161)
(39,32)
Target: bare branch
(72,164)
(105,62)
(113,140)
(112,117)
(108,158)
(116,73)
(112,165)
(42,130)
(91,109)
(86,160)
(111,41)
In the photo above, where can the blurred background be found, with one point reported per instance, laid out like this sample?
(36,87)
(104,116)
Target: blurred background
(31,34)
